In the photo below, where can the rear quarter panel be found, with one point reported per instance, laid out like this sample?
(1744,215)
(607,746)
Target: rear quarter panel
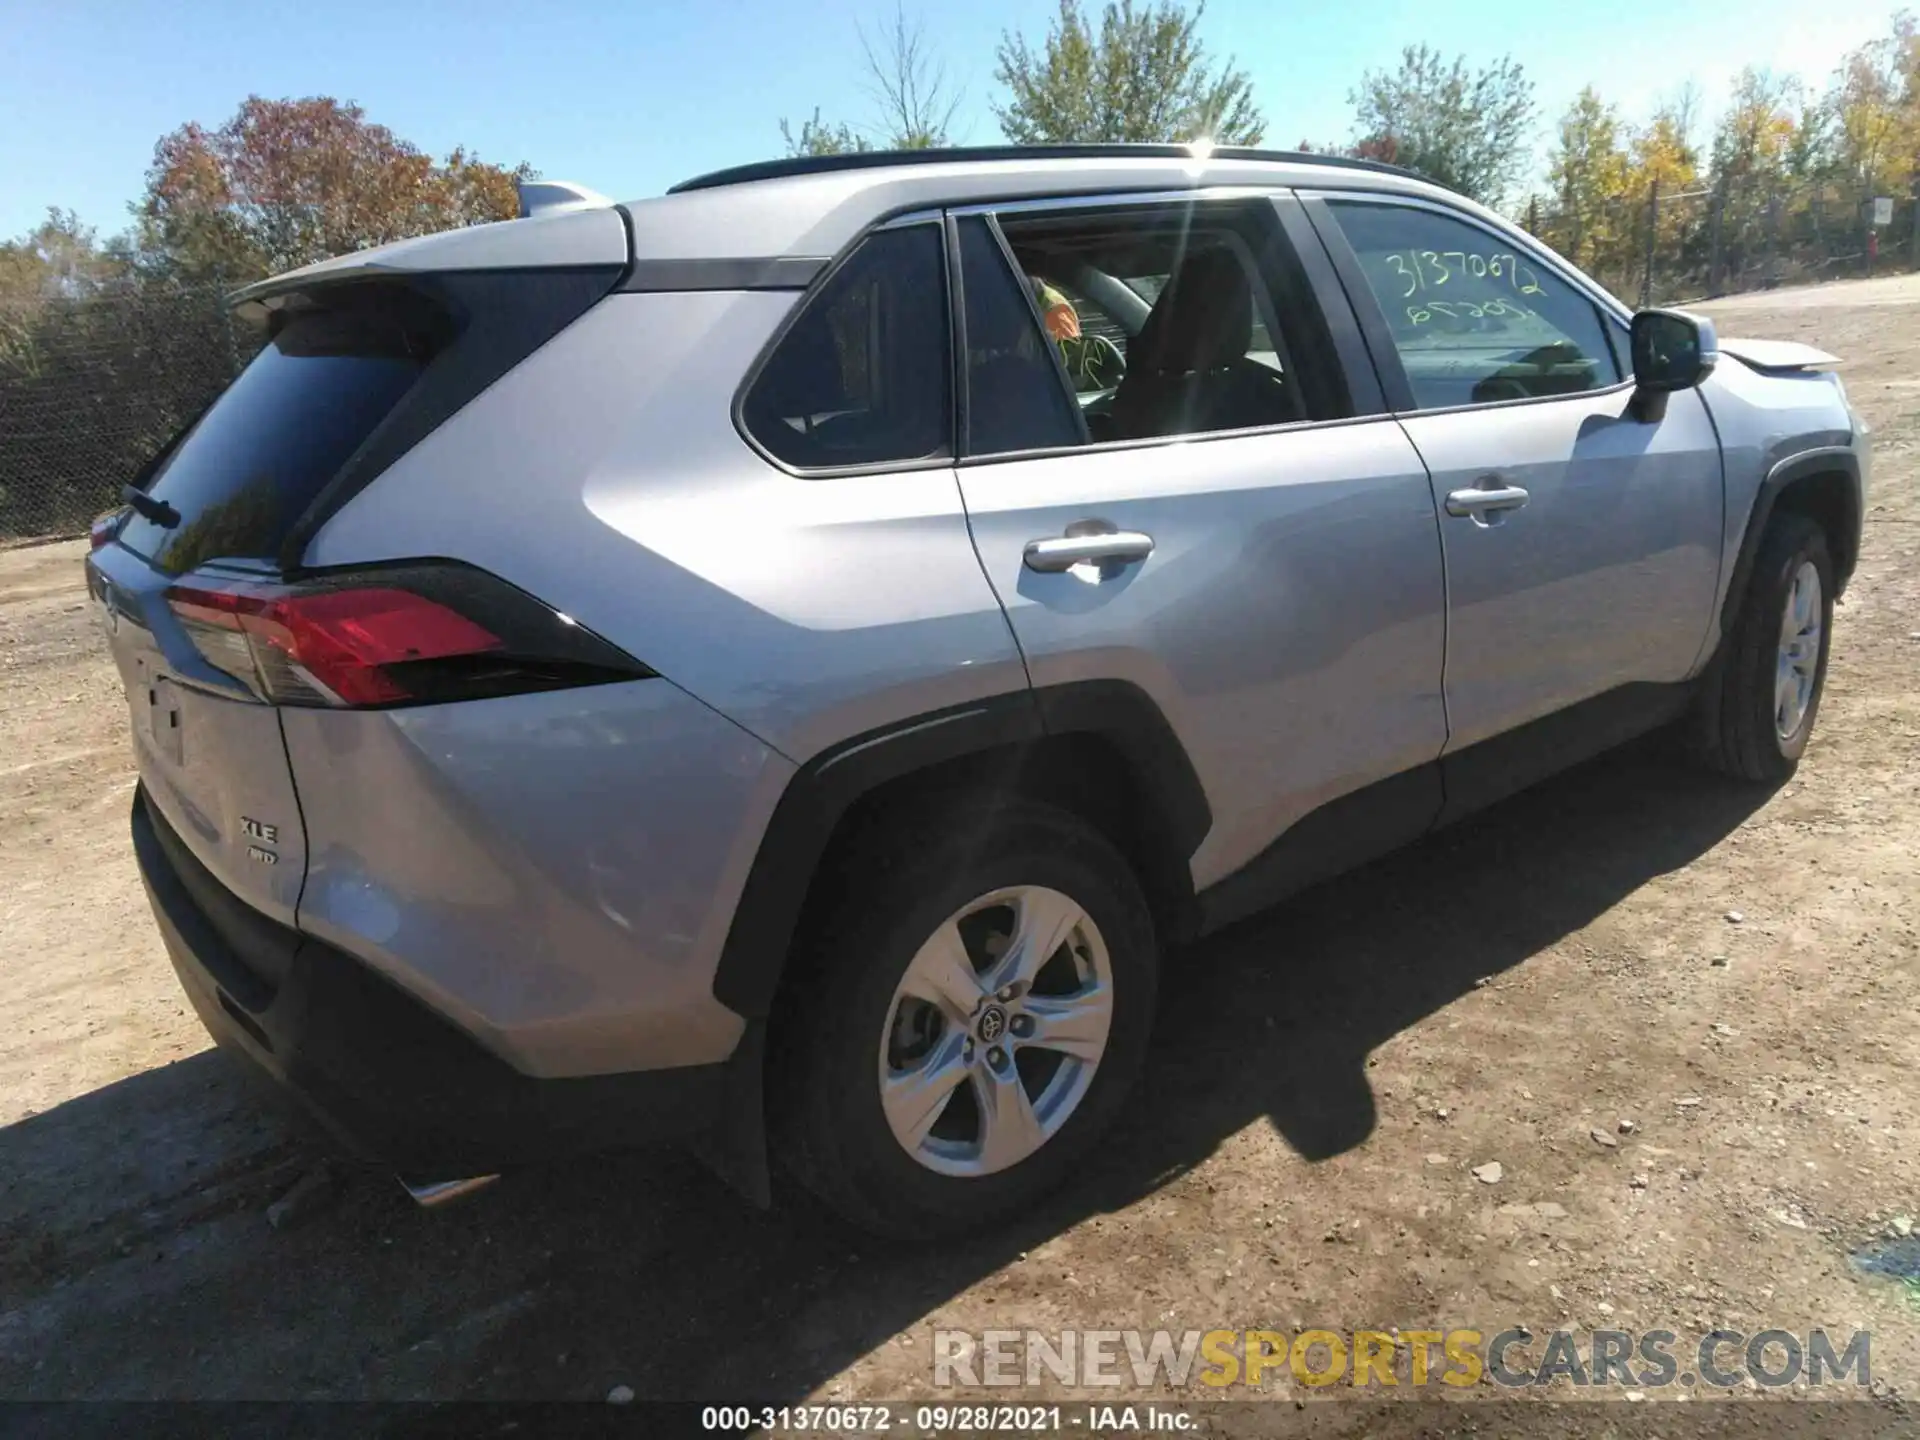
(605,476)
(555,872)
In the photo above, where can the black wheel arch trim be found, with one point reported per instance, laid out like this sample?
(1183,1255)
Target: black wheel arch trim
(826,787)
(1824,460)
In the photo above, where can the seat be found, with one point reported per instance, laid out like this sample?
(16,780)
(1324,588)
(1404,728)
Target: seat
(1187,369)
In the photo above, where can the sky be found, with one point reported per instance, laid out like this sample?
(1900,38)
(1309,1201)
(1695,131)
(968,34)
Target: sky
(628,98)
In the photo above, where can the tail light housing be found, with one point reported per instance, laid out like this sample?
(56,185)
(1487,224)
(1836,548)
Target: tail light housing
(105,527)
(420,633)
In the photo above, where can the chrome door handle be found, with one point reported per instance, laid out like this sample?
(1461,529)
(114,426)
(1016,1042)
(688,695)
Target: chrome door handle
(1490,501)
(1053,556)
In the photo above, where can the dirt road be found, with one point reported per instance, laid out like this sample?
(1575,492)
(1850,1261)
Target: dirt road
(1324,1082)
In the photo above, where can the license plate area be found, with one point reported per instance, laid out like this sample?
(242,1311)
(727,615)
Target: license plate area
(155,703)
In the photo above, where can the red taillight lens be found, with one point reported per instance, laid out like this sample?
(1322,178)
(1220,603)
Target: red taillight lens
(415,634)
(105,527)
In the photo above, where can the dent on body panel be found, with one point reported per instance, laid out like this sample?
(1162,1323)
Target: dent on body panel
(555,870)
(1349,652)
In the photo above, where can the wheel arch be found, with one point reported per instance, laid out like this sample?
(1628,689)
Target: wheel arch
(1101,749)
(1824,486)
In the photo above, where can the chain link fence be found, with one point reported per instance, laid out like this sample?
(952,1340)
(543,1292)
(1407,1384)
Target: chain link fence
(92,386)
(1677,246)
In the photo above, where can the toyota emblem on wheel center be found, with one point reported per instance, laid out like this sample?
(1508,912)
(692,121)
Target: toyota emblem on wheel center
(993,1024)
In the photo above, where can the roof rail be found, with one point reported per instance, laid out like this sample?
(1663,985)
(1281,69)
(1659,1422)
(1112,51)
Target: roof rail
(965,154)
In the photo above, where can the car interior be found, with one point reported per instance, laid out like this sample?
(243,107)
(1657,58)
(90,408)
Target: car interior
(1196,351)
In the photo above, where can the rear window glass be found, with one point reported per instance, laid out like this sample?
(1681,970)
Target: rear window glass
(861,378)
(260,456)
(1015,396)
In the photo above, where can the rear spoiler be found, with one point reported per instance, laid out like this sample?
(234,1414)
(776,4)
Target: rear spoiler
(554,197)
(571,229)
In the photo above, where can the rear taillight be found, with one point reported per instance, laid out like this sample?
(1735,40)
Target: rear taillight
(106,527)
(420,633)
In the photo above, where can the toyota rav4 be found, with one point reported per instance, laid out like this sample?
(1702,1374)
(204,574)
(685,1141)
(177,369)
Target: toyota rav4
(786,664)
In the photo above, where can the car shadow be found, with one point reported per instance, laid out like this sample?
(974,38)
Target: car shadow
(640,1269)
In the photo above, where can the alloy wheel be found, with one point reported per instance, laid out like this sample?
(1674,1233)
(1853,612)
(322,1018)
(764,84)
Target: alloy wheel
(1797,664)
(995,1031)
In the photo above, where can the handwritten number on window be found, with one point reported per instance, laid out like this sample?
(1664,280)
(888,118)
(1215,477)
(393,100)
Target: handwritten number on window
(1399,265)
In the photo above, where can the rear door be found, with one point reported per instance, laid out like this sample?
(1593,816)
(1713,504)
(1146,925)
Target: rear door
(1582,542)
(209,751)
(1235,527)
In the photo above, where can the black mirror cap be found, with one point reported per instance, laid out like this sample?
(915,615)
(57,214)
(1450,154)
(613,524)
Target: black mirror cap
(1672,350)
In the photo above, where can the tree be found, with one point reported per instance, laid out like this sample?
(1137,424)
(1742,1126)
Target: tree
(1759,148)
(816,137)
(287,182)
(1755,137)
(96,370)
(1588,170)
(1873,127)
(909,84)
(909,87)
(60,258)
(1662,154)
(1144,77)
(1663,150)
(1467,130)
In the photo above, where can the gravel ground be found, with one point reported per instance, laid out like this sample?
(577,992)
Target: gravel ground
(1324,1084)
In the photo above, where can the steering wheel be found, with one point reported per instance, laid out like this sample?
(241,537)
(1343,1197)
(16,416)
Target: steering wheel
(1098,365)
(1109,352)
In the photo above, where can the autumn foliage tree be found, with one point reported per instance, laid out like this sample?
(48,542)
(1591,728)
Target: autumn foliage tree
(106,348)
(1588,171)
(288,182)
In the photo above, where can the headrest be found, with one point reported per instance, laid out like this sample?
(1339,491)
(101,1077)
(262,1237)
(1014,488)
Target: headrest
(1202,320)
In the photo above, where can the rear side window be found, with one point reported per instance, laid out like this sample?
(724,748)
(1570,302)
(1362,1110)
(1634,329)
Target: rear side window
(862,376)
(255,461)
(1015,396)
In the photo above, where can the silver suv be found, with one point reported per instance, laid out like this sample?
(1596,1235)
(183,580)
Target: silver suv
(783,665)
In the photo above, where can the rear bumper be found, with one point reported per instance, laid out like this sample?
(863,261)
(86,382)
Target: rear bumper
(394,1081)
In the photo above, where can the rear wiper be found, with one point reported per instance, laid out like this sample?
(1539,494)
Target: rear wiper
(158,511)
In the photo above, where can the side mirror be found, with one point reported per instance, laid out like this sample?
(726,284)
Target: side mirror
(1672,350)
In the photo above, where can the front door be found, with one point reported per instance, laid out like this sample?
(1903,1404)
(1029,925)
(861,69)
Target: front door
(1582,543)
(1164,486)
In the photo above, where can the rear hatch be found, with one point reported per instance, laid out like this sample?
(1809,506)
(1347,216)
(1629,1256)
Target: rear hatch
(210,619)
(217,512)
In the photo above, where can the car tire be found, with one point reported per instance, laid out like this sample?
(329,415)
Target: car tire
(866,1041)
(1764,689)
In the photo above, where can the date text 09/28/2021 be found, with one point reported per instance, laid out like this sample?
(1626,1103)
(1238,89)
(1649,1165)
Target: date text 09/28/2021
(959,1419)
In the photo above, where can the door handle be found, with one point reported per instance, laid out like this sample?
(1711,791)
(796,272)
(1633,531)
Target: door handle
(1485,500)
(1120,546)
